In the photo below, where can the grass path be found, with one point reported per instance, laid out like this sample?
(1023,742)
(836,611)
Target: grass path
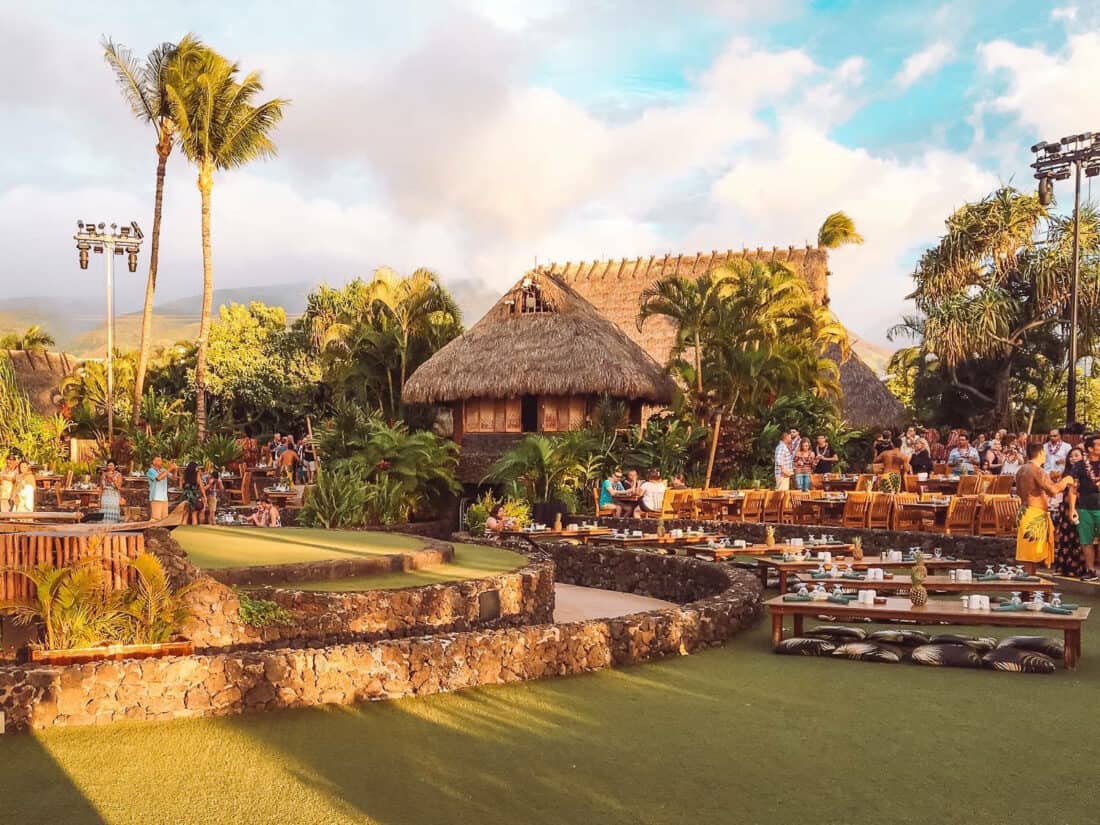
(732,735)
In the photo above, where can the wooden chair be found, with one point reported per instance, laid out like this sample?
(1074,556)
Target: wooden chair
(865,483)
(666,510)
(773,506)
(903,519)
(969,485)
(940,468)
(1002,485)
(960,516)
(683,504)
(985,483)
(909,483)
(817,481)
(986,522)
(752,506)
(1008,514)
(791,506)
(855,510)
(59,491)
(881,510)
(243,493)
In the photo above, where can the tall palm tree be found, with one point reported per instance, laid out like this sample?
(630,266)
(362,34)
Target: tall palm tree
(838,230)
(34,339)
(218,128)
(144,85)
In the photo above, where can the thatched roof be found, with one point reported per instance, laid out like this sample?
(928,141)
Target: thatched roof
(40,374)
(564,348)
(615,289)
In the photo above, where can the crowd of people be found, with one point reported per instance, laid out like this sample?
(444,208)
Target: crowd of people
(17,485)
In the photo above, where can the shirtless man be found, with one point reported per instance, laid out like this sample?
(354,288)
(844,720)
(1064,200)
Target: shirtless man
(1035,538)
(895,464)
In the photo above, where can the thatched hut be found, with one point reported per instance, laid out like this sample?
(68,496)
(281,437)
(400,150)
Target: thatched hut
(39,374)
(615,289)
(536,362)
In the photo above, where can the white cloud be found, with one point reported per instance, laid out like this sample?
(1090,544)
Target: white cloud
(1067,13)
(923,63)
(1049,92)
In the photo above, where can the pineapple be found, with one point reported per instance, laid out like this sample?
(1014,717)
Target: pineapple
(857,548)
(769,536)
(918,595)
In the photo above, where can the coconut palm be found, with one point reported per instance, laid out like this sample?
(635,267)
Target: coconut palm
(838,230)
(219,127)
(34,339)
(144,85)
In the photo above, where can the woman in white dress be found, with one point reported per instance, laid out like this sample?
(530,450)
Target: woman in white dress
(7,483)
(23,491)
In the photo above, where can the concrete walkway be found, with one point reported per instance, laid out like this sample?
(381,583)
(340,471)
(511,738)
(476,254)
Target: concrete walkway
(575,604)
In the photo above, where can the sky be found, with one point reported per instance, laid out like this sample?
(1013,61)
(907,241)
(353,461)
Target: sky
(476,137)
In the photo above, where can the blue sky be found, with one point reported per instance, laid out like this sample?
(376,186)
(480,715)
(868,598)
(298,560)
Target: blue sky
(474,136)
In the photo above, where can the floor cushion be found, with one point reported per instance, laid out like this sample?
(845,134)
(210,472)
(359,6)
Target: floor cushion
(837,633)
(867,652)
(947,655)
(1018,660)
(802,646)
(1054,648)
(982,644)
(905,638)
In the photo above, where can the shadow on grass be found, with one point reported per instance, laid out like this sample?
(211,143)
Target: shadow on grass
(34,788)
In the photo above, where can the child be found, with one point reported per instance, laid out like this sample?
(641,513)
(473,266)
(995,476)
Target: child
(804,461)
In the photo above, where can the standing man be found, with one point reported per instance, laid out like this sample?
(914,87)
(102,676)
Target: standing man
(963,459)
(796,439)
(895,464)
(1084,503)
(784,462)
(883,443)
(1054,461)
(826,457)
(158,476)
(1035,536)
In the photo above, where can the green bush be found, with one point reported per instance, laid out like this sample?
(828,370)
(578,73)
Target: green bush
(338,499)
(262,612)
(478,513)
(386,502)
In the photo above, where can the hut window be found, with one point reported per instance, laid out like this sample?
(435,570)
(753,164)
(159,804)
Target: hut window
(492,415)
(529,414)
(531,299)
(561,413)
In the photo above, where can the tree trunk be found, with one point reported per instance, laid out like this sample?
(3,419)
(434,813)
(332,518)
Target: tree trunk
(164,148)
(713,450)
(1000,394)
(206,183)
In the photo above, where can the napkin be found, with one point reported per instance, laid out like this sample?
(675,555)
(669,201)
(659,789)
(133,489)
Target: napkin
(819,575)
(1026,579)
(1009,608)
(840,599)
(1061,611)
(859,576)
(1069,606)
(795,597)
(984,578)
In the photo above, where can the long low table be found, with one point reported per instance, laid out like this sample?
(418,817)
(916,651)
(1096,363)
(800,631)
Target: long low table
(901,583)
(652,539)
(936,611)
(785,568)
(583,534)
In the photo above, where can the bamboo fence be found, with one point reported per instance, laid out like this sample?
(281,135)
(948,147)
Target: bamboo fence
(27,549)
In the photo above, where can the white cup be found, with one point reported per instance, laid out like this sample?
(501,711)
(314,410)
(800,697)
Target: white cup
(975,602)
(826,557)
(985,603)
(796,542)
(922,476)
(965,601)
(739,543)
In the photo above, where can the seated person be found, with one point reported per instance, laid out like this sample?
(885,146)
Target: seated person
(653,493)
(631,484)
(266,515)
(497,521)
(611,485)
(678,482)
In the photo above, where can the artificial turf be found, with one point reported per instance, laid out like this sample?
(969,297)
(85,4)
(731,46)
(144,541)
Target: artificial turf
(731,735)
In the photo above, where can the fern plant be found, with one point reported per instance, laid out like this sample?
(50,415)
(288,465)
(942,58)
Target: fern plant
(386,502)
(155,610)
(220,450)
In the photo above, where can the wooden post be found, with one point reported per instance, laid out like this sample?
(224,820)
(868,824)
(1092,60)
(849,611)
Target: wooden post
(713,450)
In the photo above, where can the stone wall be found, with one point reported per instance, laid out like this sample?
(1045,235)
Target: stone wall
(233,682)
(979,549)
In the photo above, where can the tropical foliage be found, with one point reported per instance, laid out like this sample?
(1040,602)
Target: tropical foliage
(34,339)
(992,299)
(22,430)
(478,513)
(338,499)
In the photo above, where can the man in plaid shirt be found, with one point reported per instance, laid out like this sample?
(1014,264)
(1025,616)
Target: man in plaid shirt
(784,462)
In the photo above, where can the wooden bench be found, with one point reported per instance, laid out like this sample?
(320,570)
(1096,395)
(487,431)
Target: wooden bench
(936,611)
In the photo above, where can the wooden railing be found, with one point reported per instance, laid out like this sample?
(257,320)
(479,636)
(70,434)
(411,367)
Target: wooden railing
(26,549)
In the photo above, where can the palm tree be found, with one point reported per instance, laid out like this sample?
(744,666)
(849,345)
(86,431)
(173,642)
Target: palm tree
(34,339)
(837,230)
(144,85)
(219,128)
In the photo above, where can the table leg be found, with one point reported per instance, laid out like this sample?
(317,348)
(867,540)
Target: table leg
(782,582)
(777,628)
(762,569)
(798,621)
(1072,642)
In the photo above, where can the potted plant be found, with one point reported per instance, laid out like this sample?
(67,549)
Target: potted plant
(546,471)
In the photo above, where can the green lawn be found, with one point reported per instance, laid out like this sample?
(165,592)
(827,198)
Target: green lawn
(733,735)
(215,547)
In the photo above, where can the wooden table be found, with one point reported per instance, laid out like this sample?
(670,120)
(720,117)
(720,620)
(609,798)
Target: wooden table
(901,583)
(87,497)
(939,484)
(936,611)
(652,539)
(845,483)
(729,504)
(281,497)
(817,507)
(41,516)
(582,533)
(46,482)
(785,568)
(938,509)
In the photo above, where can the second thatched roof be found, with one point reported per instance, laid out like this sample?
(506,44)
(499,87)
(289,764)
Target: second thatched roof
(561,346)
(39,374)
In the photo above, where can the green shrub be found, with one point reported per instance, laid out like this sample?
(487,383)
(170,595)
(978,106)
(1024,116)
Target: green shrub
(386,502)
(338,499)
(478,513)
(262,612)
(220,450)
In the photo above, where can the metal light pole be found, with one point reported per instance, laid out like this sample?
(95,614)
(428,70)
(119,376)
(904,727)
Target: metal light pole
(114,241)
(1053,162)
